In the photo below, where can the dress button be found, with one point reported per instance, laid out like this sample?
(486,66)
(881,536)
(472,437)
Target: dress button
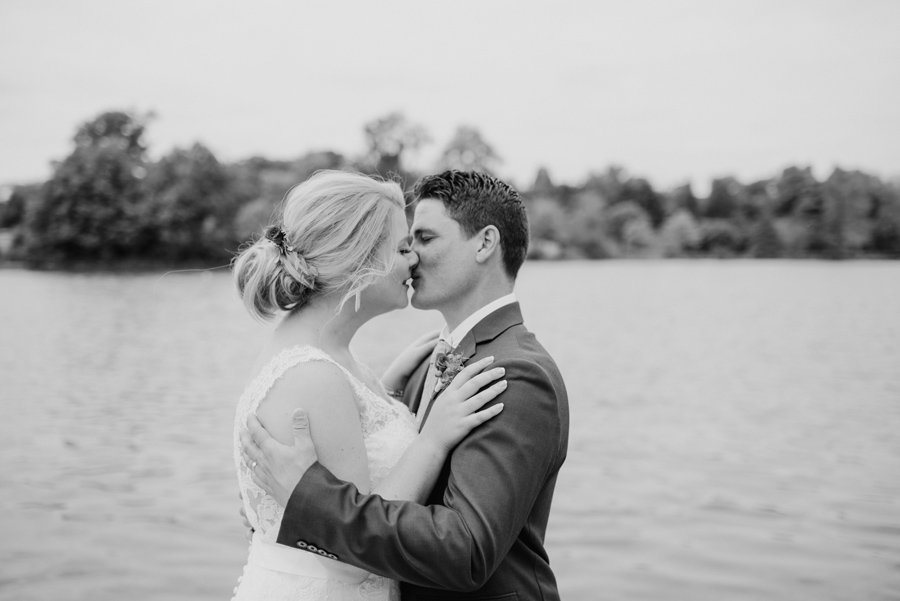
(301,544)
(312,548)
(332,556)
(322,552)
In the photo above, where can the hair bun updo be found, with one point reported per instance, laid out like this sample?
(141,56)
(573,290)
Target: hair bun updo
(290,260)
(330,239)
(271,279)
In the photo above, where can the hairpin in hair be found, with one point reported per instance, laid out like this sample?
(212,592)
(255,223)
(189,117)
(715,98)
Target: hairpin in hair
(278,237)
(294,264)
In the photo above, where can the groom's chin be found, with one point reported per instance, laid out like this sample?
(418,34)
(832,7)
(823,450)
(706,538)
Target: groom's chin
(416,300)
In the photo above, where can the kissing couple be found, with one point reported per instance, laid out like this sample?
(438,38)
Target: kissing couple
(434,481)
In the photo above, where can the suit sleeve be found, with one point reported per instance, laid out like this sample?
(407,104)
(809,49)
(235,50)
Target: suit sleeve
(496,473)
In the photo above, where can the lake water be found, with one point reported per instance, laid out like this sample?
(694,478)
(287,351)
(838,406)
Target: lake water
(735,430)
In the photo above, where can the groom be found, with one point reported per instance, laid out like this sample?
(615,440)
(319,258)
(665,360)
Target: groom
(482,529)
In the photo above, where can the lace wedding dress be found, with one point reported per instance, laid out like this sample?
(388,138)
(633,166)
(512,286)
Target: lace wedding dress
(280,573)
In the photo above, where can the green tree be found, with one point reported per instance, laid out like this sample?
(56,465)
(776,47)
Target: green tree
(682,198)
(267,182)
(721,238)
(468,151)
(886,238)
(314,161)
(822,215)
(793,185)
(866,202)
(252,218)
(628,226)
(543,185)
(765,243)
(12,211)
(546,219)
(818,213)
(680,234)
(586,227)
(390,139)
(93,206)
(639,238)
(193,206)
(759,202)
(723,201)
(607,184)
(886,233)
(639,191)
(119,129)
(548,227)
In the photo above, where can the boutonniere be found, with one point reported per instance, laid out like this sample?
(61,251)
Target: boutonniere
(447,366)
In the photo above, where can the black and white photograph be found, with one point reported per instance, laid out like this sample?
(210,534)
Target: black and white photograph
(420,301)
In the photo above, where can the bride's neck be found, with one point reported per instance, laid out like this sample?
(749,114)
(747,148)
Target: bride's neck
(319,324)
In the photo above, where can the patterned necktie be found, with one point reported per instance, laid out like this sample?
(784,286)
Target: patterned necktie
(431,379)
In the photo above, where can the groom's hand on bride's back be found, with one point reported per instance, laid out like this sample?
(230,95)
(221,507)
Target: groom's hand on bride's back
(275,467)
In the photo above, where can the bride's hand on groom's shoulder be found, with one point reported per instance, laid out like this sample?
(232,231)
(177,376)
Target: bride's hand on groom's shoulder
(458,410)
(398,372)
(275,467)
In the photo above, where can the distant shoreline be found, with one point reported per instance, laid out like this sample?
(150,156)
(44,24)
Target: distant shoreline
(119,266)
(139,266)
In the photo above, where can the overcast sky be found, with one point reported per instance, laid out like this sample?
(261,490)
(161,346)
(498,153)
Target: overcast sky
(672,90)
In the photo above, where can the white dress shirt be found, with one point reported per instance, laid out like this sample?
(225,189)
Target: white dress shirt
(455,337)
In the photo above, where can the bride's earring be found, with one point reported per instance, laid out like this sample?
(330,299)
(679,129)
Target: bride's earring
(357,300)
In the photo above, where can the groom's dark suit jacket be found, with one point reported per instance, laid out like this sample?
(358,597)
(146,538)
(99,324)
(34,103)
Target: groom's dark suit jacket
(481,533)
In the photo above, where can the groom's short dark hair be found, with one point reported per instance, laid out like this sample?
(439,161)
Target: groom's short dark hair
(476,200)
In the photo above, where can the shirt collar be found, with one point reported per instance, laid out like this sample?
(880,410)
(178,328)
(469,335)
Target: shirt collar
(455,337)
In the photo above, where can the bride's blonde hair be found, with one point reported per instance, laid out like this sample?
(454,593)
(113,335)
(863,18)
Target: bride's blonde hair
(330,238)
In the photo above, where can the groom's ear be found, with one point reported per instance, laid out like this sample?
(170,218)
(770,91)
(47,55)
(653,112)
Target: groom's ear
(488,243)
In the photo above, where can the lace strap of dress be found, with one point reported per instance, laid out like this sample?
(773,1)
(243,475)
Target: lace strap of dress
(373,377)
(374,409)
(280,364)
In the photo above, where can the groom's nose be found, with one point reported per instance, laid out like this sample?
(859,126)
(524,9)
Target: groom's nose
(413,258)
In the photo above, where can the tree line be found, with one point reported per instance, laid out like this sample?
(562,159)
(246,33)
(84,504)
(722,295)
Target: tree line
(108,202)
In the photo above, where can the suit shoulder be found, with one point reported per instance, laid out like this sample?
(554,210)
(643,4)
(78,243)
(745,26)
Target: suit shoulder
(519,344)
(532,372)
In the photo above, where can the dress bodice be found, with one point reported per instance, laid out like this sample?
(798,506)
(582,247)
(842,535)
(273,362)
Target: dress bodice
(387,427)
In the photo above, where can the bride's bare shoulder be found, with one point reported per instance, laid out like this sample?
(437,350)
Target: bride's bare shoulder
(318,387)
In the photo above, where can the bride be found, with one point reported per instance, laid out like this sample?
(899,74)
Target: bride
(340,257)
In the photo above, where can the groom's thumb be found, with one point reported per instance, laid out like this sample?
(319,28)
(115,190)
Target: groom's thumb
(300,423)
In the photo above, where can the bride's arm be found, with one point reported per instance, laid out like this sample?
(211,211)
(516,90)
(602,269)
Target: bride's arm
(323,391)
(453,415)
(398,372)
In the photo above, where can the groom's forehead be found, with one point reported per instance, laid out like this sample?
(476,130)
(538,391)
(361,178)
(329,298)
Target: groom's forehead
(430,213)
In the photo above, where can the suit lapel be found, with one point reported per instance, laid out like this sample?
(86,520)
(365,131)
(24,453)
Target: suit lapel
(484,331)
(466,348)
